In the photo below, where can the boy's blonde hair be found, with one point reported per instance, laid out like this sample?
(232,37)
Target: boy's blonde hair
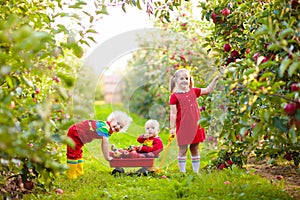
(173,79)
(153,121)
(120,117)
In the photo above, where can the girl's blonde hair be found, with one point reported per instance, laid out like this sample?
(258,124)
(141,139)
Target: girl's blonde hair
(120,117)
(173,78)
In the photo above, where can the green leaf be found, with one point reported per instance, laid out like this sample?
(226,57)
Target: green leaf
(293,68)
(267,115)
(91,31)
(279,125)
(267,74)
(262,30)
(11,20)
(91,38)
(133,2)
(283,66)
(77,50)
(138,4)
(249,71)
(274,47)
(257,129)
(286,32)
(123,8)
(294,136)
(103,11)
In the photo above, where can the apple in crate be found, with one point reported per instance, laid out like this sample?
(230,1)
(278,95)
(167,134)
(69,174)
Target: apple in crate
(150,155)
(133,154)
(141,155)
(125,154)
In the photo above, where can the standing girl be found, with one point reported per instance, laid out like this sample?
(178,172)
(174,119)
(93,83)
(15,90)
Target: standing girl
(184,112)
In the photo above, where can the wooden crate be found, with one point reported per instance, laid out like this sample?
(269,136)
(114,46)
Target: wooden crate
(132,162)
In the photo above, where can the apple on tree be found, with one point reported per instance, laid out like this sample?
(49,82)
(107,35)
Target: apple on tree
(295,87)
(225,11)
(227,47)
(290,108)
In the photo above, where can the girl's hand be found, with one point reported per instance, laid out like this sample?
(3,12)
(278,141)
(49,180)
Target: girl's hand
(172,131)
(109,158)
(171,137)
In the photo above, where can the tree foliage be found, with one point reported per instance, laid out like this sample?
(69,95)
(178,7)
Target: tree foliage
(255,46)
(41,43)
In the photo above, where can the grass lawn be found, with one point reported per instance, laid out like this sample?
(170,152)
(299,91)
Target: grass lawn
(98,183)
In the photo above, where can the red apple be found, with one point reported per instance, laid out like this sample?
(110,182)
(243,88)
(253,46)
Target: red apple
(221,106)
(288,157)
(184,24)
(182,57)
(229,162)
(12,105)
(266,58)
(141,155)
(247,51)
(297,104)
(202,108)
(279,177)
(225,11)
(227,47)
(234,54)
(247,133)
(59,191)
(294,87)
(56,79)
(214,17)
(255,56)
(295,3)
(222,166)
(290,108)
(28,185)
(133,154)
(37,90)
(150,155)
(297,124)
(239,137)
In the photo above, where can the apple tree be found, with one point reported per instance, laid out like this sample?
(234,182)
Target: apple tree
(41,46)
(258,49)
(255,46)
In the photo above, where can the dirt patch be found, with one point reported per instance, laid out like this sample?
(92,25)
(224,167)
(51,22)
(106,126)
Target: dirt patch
(288,172)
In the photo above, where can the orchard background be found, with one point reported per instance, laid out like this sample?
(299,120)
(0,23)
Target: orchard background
(254,46)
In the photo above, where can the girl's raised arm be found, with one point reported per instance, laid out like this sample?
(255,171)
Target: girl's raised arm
(210,87)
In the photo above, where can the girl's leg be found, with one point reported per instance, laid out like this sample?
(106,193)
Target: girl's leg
(74,155)
(182,158)
(194,148)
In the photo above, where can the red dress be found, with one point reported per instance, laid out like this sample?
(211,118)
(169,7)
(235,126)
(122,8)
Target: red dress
(188,131)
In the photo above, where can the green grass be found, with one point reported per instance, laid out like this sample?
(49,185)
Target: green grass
(98,183)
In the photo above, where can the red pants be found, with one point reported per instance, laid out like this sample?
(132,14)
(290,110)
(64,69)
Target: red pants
(76,152)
